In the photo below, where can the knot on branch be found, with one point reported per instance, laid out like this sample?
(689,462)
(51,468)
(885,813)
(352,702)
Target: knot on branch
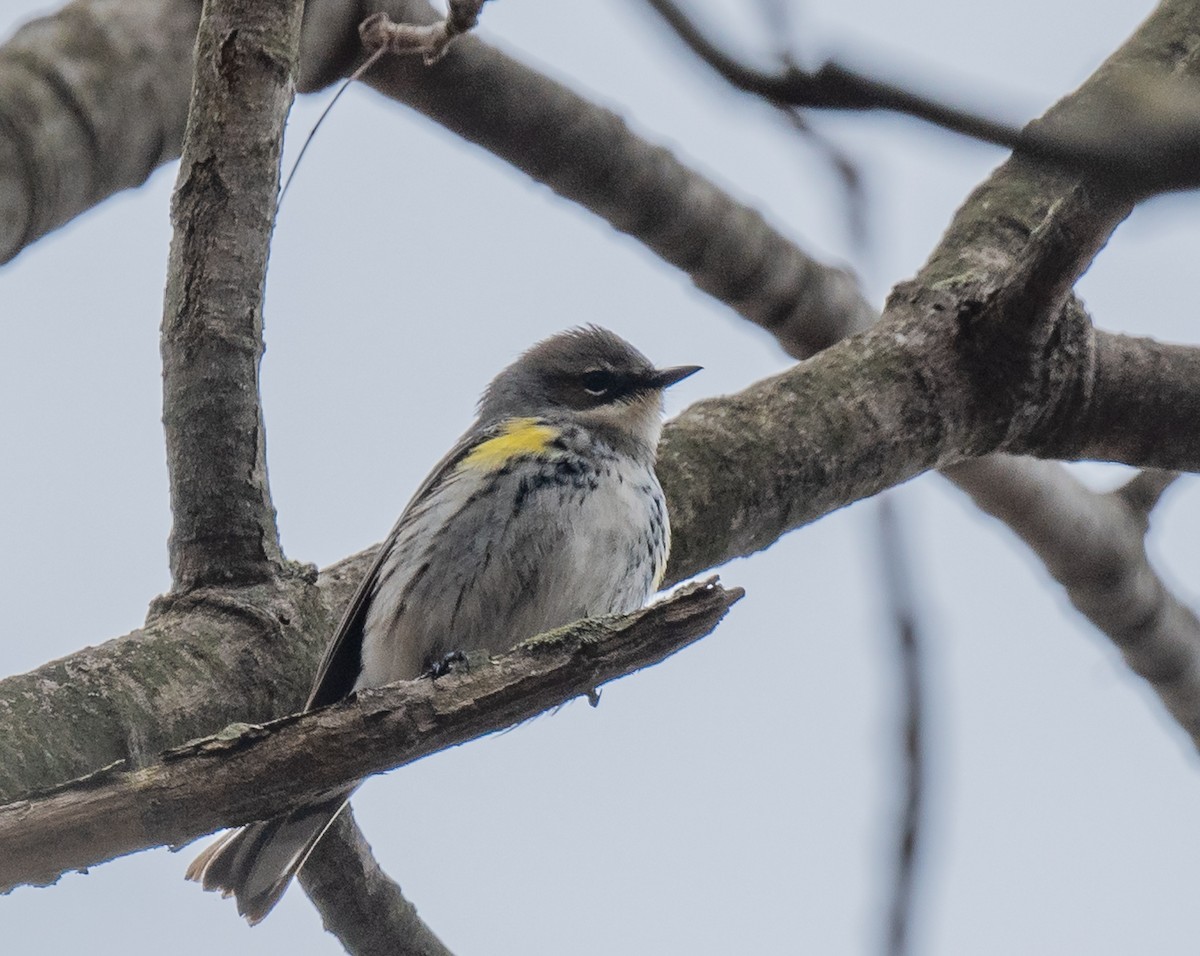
(1011,380)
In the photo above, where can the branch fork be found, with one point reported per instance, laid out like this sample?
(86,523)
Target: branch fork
(431,40)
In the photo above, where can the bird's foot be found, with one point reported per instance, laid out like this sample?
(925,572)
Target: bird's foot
(456,662)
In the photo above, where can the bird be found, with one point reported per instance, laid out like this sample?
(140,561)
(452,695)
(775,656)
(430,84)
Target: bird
(547,510)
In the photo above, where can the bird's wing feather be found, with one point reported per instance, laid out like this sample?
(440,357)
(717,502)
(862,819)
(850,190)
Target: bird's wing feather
(340,666)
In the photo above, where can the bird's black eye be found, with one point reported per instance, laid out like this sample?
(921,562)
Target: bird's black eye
(598,382)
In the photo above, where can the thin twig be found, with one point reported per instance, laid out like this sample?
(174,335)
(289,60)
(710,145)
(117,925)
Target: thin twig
(356,75)
(379,31)
(381,35)
(1145,140)
(1143,491)
(898,590)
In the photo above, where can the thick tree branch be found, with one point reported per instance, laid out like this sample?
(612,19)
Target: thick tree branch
(223,212)
(582,151)
(860,417)
(199,663)
(249,772)
(358,902)
(92,100)
(738,471)
(1146,404)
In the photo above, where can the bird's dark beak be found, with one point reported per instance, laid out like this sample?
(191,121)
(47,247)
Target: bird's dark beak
(665,377)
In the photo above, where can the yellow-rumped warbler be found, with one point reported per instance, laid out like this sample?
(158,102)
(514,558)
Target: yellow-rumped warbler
(546,511)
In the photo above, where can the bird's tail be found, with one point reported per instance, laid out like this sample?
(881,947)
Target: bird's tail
(256,863)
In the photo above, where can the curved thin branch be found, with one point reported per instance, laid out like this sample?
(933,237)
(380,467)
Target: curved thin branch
(223,212)
(588,154)
(901,603)
(1093,545)
(1143,138)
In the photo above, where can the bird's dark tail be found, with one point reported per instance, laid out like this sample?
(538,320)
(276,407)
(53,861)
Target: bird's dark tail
(256,863)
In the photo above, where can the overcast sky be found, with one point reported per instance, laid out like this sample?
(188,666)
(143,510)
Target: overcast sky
(738,798)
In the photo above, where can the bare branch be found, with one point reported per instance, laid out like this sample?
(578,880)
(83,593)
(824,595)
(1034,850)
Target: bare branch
(902,607)
(431,40)
(92,100)
(1135,421)
(223,212)
(583,152)
(588,154)
(357,901)
(1141,138)
(832,86)
(199,663)
(1143,491)
(249,772)
(1093,545)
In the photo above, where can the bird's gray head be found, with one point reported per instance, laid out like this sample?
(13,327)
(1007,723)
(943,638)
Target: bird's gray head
(592,376)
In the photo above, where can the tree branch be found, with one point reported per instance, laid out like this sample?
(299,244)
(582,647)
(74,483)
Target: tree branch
(1132,420)
(200,662)
(901,603)
(588,155)
(249,772)
(706,449)
(223,212)
(1093,545)
(358,902)
(1141,138)
(430,40)
(92,100)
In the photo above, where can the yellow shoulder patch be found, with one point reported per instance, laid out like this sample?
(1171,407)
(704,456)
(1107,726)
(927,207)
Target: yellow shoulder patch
(518,438)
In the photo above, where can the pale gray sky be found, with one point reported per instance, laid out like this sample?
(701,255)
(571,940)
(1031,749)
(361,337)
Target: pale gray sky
(737,798)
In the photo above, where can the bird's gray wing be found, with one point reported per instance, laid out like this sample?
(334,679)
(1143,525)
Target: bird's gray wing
(342,662)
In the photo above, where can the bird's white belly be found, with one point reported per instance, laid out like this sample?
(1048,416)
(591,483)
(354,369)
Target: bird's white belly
(486,563)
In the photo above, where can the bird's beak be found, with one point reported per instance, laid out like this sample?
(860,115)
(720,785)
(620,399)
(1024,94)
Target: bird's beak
(665,377)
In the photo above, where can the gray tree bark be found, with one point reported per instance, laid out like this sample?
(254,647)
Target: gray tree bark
(92,101)
(247,772)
